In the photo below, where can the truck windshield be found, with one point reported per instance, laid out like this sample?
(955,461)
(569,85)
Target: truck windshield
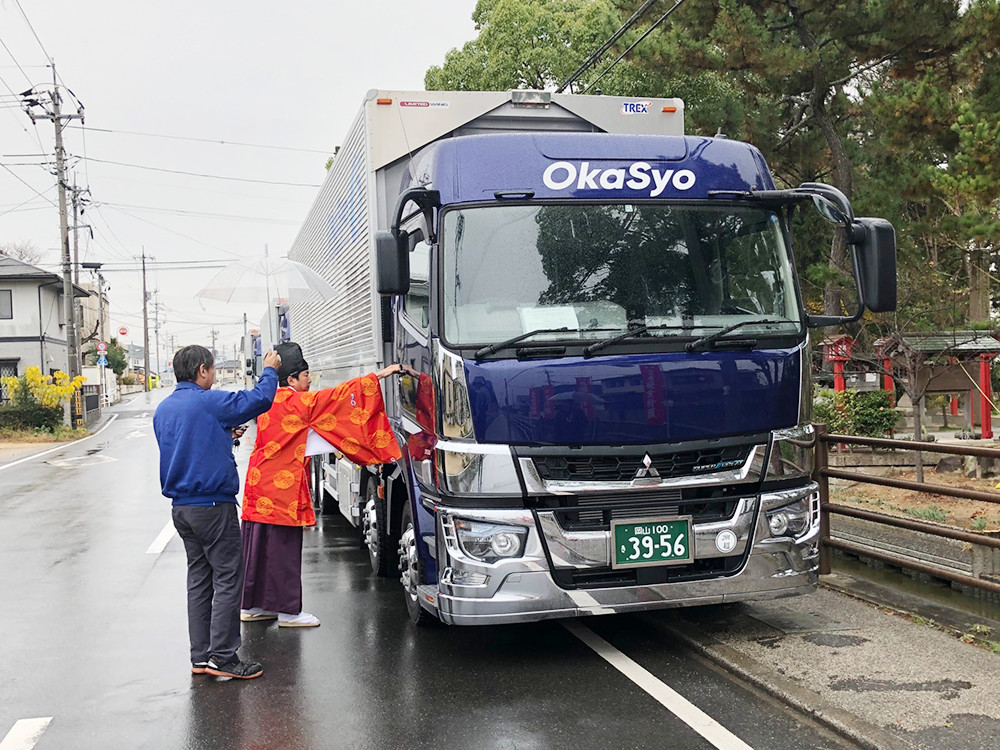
(596,269)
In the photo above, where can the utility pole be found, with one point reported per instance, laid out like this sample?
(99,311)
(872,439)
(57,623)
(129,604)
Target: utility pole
(156,314)
(32,100)
(96,268)
(243,354)
(214,334)
(145,323)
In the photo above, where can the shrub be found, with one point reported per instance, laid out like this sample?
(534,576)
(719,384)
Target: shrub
(29,416)
(854,412)
(46,390)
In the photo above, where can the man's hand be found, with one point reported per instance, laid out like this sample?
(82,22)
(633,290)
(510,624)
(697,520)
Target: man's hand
(390,370)
(238,431)
(272,359)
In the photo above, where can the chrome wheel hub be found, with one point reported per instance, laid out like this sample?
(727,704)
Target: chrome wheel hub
(370,521)
(408,562)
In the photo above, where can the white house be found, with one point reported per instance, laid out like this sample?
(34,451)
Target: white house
(32,331)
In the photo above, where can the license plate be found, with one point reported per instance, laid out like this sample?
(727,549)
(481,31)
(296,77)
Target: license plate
(651,541)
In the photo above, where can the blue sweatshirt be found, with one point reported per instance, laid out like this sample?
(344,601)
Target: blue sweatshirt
(193,427)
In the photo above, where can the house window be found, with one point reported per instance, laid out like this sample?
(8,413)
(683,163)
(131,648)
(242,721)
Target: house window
(8,369)
(6,304)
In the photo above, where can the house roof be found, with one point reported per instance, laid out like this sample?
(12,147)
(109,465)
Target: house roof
(953,342)
(17,270)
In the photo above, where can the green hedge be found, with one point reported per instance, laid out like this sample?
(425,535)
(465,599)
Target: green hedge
(30,416)
(853,412)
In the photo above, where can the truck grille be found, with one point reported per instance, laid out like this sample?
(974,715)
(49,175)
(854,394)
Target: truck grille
(592,511)
(624,468)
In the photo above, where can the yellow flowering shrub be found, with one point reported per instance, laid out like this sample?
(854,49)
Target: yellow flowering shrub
(46,390)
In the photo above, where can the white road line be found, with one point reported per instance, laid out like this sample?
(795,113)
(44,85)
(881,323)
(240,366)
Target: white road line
(64,446)
(165,535)
(25,733)
(681,707)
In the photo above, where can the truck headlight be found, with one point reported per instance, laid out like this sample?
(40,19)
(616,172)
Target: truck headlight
(792,454)
(489,542)
(795,518)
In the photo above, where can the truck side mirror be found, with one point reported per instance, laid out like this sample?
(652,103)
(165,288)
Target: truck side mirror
(393,259)
(876,258)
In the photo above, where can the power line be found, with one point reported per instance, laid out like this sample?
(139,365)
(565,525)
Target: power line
(173,231)
(25,15)
(4,45)
(32,189)
(204,214)
(198,174)
(595,56)
(635,44)
(204,140)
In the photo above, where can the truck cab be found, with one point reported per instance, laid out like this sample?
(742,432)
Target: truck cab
(606,404)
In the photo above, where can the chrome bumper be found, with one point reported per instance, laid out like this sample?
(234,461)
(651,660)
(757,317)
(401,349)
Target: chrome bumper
(523,589)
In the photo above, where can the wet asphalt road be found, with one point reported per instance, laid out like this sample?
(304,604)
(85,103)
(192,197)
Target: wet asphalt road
(95,637)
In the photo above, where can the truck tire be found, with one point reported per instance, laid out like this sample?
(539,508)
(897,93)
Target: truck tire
(375,529)
(409,571)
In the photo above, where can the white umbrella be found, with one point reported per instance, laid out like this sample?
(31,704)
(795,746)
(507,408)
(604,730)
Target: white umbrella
(262,279)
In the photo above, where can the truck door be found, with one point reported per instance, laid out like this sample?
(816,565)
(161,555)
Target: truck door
(413,339)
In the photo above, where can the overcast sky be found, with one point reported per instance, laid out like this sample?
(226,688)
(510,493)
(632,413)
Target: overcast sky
(289,75)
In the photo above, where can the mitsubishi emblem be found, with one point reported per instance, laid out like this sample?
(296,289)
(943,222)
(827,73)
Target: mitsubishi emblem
(646,474)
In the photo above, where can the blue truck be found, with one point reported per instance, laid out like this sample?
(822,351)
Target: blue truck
(606,404)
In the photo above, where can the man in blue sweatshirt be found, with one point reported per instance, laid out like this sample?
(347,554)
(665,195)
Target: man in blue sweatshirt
(193,427)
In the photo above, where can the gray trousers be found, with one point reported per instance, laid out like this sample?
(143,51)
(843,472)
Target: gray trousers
(211,536)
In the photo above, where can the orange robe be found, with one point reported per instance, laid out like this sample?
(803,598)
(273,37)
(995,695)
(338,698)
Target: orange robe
(351,417)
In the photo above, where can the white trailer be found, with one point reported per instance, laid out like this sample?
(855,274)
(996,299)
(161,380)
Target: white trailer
(343,338)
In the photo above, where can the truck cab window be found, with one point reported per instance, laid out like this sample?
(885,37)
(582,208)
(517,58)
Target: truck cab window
(417,302)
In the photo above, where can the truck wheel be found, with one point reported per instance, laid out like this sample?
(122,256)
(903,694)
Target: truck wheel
(375,529)
(409,571)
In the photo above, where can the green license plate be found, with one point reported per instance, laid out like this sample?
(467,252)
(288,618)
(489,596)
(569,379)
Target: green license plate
(650,541)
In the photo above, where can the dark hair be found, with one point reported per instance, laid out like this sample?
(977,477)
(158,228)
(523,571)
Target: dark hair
(283,382)
(189,360)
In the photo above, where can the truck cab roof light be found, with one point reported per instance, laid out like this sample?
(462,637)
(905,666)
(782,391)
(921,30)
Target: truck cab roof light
(383,101)
(670,109)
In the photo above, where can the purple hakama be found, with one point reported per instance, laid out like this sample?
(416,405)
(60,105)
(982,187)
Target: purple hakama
(272,569)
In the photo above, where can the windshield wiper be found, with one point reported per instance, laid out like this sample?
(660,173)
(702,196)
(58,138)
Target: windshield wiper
(631,333)
(492,348)
(707,341)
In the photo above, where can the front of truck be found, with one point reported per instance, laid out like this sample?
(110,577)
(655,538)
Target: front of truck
(608,406)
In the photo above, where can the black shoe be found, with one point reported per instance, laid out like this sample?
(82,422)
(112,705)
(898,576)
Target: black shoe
(240,670)
(199,667)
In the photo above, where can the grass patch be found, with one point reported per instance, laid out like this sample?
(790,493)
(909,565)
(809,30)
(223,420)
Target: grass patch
(932,513)
(39,435)
(979,524)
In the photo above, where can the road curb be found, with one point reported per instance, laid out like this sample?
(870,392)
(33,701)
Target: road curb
(853,728)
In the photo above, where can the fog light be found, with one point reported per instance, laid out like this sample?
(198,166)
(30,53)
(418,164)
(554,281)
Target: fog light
(467,577)
(488,542)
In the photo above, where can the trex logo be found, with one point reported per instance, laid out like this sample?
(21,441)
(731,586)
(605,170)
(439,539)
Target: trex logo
(635,108)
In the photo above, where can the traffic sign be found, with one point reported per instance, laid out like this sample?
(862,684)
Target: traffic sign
(123,331)
(102,361)
(102,346)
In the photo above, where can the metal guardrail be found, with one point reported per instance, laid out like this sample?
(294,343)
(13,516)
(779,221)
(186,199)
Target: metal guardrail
(823,474)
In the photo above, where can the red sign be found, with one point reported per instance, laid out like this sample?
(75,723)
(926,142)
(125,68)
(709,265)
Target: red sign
(653,394)
(123,331)
(102,346)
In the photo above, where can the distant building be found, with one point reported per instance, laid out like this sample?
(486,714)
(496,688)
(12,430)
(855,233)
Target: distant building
(32,331)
